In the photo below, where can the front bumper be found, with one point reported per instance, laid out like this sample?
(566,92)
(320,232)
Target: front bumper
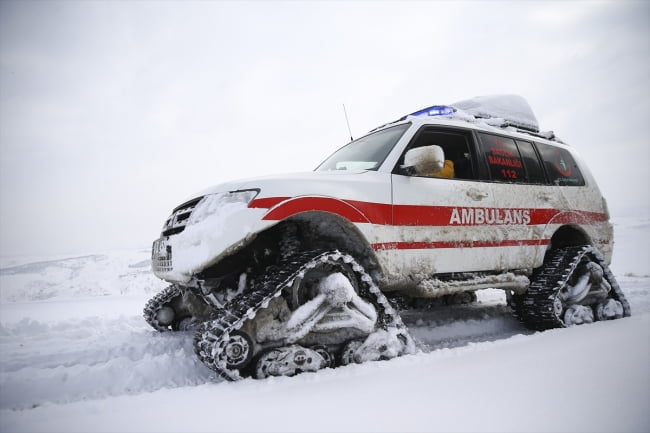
(179,257)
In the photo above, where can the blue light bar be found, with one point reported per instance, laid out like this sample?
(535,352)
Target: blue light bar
(434,110)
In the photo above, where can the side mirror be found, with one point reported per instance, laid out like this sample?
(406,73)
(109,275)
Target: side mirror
(424,161)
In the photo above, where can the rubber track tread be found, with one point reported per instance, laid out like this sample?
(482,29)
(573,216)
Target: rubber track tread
(165,296)
(211,338)
(536,307)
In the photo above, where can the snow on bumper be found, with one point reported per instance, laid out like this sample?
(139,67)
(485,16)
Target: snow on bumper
(218,226)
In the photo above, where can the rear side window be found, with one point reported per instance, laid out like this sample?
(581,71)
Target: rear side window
(503,158)
(560,166)
(534,169)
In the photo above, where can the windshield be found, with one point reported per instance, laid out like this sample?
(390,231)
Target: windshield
(366,153)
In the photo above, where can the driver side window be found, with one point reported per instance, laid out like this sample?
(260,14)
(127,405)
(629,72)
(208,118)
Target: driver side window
(455,145)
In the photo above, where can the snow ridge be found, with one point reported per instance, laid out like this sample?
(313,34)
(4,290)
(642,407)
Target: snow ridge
(71,360)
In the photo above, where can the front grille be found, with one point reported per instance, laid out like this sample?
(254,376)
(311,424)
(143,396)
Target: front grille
(178,219)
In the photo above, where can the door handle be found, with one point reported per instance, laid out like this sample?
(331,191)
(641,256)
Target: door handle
(476,194)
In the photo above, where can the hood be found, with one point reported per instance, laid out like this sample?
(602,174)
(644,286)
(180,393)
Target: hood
(295,184)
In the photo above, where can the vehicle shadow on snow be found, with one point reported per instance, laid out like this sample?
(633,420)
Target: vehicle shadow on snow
(450,326)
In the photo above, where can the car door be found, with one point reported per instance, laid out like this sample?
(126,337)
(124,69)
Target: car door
(441,225)
(523,198)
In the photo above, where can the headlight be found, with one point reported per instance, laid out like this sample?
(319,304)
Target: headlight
(220,202)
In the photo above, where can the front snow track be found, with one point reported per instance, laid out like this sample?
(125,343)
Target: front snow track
(153,308)
(562,288)
(220,342)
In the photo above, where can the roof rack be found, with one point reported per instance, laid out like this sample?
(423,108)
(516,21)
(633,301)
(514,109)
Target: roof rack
(500,111)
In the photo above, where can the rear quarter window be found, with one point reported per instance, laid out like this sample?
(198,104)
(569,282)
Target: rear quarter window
(531,162)
(560,166)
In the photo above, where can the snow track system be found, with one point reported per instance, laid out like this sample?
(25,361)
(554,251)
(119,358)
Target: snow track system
(157,312)
(321,304)
(312,310)
(573,286)
(319,309)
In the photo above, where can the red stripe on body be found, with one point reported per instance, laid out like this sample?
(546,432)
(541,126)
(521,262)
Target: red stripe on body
(457,244)
(579,217)
(323,204)
(418,215)
(267,203)
(377,213)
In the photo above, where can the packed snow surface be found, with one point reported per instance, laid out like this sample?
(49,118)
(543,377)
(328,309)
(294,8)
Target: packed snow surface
(76,356)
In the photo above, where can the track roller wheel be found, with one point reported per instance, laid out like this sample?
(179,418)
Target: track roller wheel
(288,361)
(347,355)
(327,355)
(238,350)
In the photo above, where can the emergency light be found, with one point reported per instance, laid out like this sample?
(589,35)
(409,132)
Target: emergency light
(434,110)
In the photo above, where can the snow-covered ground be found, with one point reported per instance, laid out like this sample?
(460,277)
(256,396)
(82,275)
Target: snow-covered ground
(76,355)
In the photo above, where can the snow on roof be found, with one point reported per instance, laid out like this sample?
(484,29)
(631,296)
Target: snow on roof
(512,110)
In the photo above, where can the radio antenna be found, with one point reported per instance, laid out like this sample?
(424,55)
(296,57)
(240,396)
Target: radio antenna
(348,122)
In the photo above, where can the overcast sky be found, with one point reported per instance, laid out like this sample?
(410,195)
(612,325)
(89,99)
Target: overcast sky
(112,113)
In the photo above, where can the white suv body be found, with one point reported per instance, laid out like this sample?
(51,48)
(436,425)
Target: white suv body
(288,274)
(517,192)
